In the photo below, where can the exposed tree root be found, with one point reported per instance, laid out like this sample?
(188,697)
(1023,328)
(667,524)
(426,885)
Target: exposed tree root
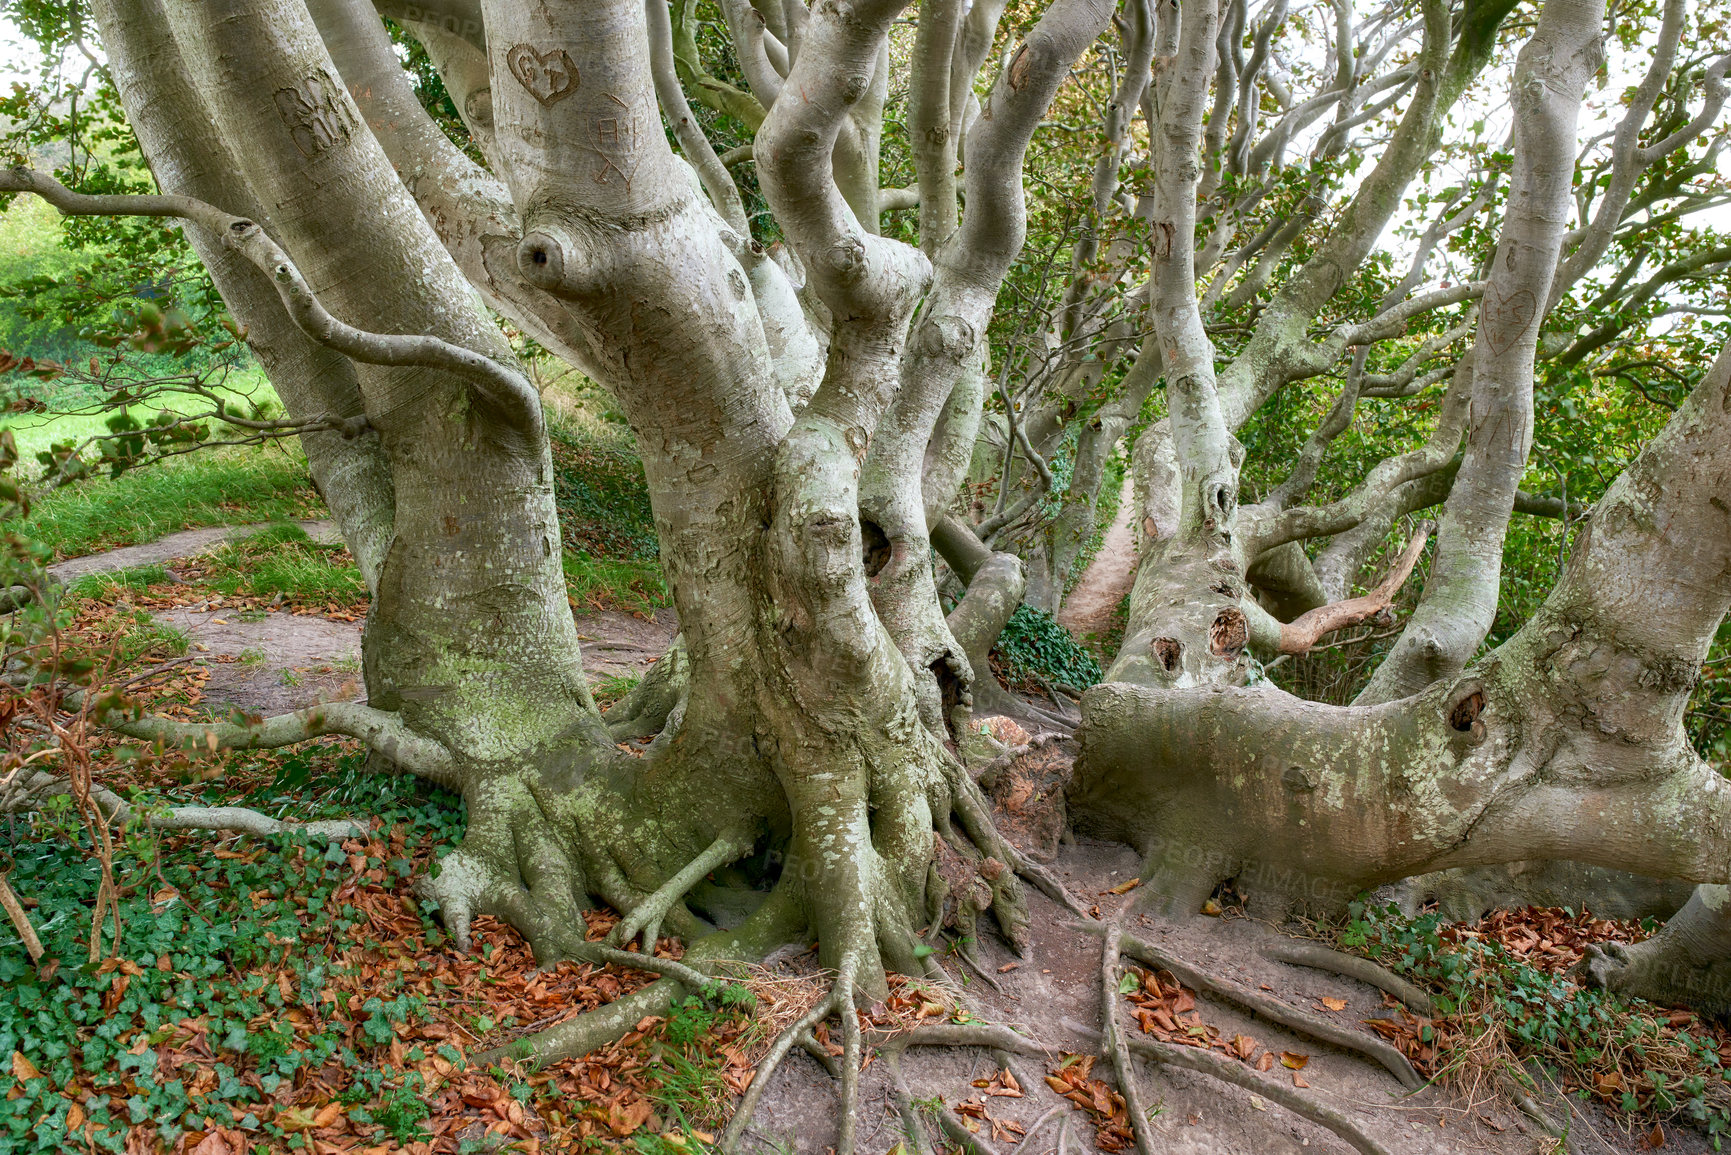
(646,916)
(244,821)
(839,1000)
(809,1044)
(988,774)
(963,1138)
(1061,1109)
(645,710)
(775,922)
(1271,1009)
(1047,884)
(1542,1119)
(1113,1041)
(1232,1071)
(239,819)
(995,857)
(20,920)
(970,955)
(1310,954)
(384,732)
(989,1035)
(589,1031)
(904,1100)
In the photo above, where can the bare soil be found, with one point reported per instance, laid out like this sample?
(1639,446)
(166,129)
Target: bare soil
(1088,609)
(1053,995)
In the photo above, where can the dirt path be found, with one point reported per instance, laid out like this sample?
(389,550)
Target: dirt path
(1053,995)
(1088,609)
(274,661)
(183,544)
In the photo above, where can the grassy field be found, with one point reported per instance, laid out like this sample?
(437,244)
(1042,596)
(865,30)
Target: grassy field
(222,487)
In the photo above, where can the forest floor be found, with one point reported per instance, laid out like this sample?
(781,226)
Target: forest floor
(266,655)
(360,1046)
(275,994)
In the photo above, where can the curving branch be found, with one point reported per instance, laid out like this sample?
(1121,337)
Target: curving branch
(745,107)
(717,181)
(1460,597)
(1300,634)
(502,385)
(1629,158)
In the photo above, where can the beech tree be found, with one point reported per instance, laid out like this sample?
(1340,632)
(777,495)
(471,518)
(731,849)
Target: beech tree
(809,395)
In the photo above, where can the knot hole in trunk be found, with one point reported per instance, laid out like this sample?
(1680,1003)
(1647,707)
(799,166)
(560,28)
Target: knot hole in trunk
(1229,633)
(874,547)
(1463,716)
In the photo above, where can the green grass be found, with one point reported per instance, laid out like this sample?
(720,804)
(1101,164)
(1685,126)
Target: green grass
(217,488)
(35,432)
(613,687)
(596,583)
(150,639)
(153,639)
(283,560)
(136,579)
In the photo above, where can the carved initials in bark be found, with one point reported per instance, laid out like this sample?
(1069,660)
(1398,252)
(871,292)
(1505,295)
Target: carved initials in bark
(1507,318)
(548,76)
(316,115)
(613,135)
(1160,237)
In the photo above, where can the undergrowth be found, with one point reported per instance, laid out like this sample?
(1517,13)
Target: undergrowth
(222,1005)
(1509,1007)
(1034,646)
(602,495)
(281,994)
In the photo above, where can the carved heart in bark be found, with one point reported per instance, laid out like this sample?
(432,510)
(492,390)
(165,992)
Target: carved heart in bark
(549,76)
(1506,318)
